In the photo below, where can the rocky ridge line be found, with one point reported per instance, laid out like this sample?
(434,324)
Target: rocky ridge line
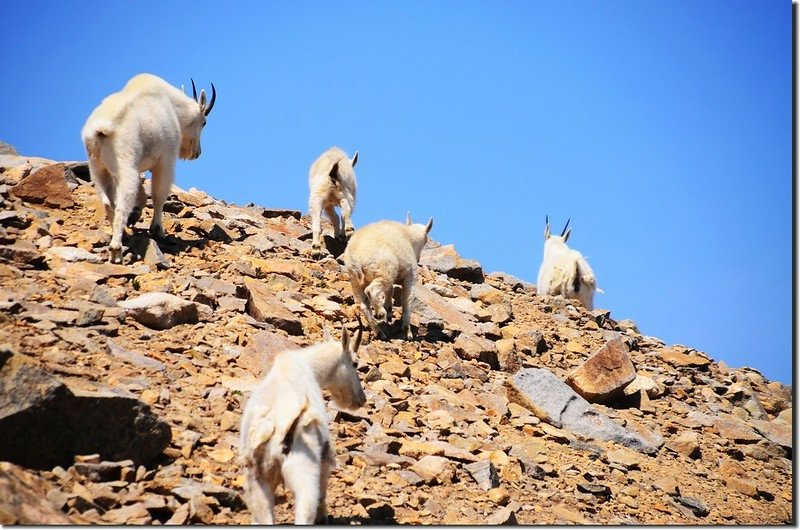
(451,432)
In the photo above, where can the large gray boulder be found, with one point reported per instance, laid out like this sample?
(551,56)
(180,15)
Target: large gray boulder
(554,402)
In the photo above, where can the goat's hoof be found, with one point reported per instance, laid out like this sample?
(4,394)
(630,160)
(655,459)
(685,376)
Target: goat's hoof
(316,252)
(348,232)
(157,232)
(115,254)
(408,334)
(134,216)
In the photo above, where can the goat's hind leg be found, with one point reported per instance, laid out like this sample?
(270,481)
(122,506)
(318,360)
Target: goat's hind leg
(301,474)
(104,186)
(259,496)
(315,212)
(126,193)
(407,289)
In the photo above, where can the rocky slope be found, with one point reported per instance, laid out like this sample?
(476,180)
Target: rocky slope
(118,405)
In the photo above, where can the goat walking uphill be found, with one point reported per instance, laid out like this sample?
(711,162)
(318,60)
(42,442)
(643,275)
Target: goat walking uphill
(377,257)
(565,271)
(145,126)
(331,183)
(284,434)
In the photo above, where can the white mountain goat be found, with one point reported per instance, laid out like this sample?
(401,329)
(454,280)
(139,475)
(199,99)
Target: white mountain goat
(331,183)
(284,434)
(377,257)
(565,271)
(145,126)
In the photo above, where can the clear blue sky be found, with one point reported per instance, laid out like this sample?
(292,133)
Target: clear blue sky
(663,129)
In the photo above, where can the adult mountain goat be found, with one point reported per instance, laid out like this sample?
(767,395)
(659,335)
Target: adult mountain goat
(565,271)
(284,433)
(377,257)
(145,126)
(331,183)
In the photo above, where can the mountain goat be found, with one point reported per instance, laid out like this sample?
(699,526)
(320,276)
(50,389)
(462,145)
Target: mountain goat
(565,271)
(331,183)
(379,256)
(145,126)
(284,434)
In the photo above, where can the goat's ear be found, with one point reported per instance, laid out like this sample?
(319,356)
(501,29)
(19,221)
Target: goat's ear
(408,218)
(202,100)
(566,235)
(326,334)
(429,226)
(547,231)
(354,160)
(357,343)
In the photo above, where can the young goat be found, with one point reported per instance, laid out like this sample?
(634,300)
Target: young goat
(379,256)
(565,271)
(145,126)
(331,183)
(284,433)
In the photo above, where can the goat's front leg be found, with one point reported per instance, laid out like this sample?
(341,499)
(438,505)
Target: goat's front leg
(361,298)
(138,207)
(163,177)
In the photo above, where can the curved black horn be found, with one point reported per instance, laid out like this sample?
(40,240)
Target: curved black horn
(194,90)
(546,219)
(213,99)
(565,228)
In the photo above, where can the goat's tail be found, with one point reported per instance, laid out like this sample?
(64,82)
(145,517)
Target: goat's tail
(94,136)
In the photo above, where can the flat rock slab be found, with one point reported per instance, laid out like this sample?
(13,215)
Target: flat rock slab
(264,306)
(554,402)
(47,186)
(446,260)
(161,310)
(605,374)
(73,254)
(261,350)
(682,357)
(44,422)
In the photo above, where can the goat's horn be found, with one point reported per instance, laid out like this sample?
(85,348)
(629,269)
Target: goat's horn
(546,220)
(194,90)
(213,99)
(565,228)
(357,341)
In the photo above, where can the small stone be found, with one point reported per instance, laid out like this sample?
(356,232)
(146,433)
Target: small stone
(435,469)
(687,443)
(484,474)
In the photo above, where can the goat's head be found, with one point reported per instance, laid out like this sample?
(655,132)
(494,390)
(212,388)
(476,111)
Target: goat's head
(344,383)
(418,234)
(376,298)
(549,237)
(190,134)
